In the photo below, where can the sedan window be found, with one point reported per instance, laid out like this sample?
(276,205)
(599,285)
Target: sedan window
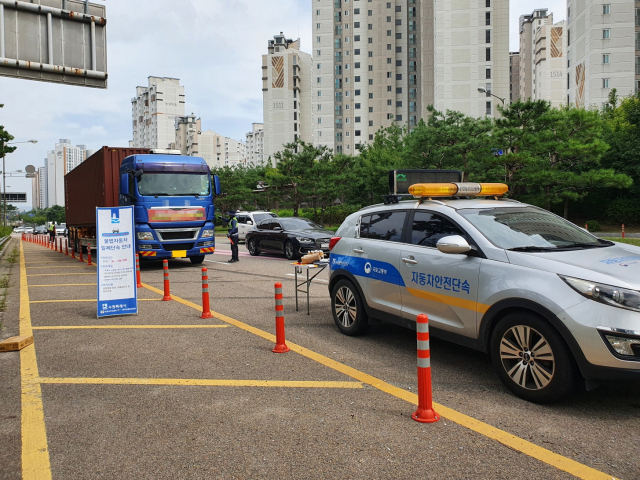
(264,225)
(428,228)
(383,226)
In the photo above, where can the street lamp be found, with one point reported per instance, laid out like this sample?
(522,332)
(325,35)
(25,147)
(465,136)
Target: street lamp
(484,90)
(4,188)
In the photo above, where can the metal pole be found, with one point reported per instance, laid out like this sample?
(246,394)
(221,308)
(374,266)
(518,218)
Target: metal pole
(50,37)
(1,30)
(4,192)
(94,61)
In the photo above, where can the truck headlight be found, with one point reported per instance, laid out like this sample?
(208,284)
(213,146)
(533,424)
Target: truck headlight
(207,233)
(145,247)
(607,294)
(145,236)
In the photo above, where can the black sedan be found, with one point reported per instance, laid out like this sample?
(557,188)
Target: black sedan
(292,236)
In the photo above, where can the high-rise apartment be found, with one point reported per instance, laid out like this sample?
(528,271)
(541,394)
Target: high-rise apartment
(35,191)
(155,109)
(286,87)
(60,161)
(217,150)
(42,185)
(528,26)
(549,69)
(255,144)
(603,50)
(185,129)
(514,76)
(381,62)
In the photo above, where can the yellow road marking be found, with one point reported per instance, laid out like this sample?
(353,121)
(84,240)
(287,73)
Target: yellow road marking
(90,300)
(81,327)
(35,451)
(58,274)
(547,456)
(65,285)
(201,382)
(63,266)
(449,300)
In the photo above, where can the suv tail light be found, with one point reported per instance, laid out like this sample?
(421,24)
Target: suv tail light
(333,241)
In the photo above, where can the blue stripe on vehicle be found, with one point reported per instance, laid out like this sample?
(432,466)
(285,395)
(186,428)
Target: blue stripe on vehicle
(364,267)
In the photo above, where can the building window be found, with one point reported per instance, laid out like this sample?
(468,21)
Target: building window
(357,120)
(356,93)
(389,102)
(398,76)
(388,46)
(398,8)
(319,120)
(488,108)
(398,21)
(399,104)
(370,109)
(357,133)
(356,38)
(318,39)
(371,81)
(356,24)
(606,34)
(389,75)
(389,61)
(637,17)
(398,90)
(488,4)
(388,33)
(371,68)
(398,49)
(605,57)
(487,18)
(398,36)
(606,9)
(605,83)
(357,65)
(356,11)
(398,63)
(398,118)
(488,54)
(357,79)
(370,40)
(371,96)
(488,73)
(357,106)
(370,26)
(487,36)
(370,14)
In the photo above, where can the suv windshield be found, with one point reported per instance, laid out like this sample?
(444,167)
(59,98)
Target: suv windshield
(173,184)
(528,229)
(298,224)
(258,217)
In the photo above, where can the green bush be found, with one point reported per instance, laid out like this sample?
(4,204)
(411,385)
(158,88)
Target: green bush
(625,211)
(594,226)
(334,217)
(4,231)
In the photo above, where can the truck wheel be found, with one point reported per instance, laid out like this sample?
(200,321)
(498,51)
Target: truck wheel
(197,260)
(531,358)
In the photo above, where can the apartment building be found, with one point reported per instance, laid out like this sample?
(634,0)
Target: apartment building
(60,161)
(217,150)
(514,76)
(382,62)
(35,191)
(154,112)
(42,186)
(185,130)
(528,26)
(255,144)
(286,87)
(550,63)
(603,50)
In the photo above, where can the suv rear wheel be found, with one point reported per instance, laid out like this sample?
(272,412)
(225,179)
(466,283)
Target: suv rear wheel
(532,359)
(348,309)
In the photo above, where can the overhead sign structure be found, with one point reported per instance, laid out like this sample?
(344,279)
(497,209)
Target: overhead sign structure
(117,292)
(13,197)
(60,41)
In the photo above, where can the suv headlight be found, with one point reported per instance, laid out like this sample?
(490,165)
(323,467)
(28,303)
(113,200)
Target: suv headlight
(207,233)
(145,236)
(613,296)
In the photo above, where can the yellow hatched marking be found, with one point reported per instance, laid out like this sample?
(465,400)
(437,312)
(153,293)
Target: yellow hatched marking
(546,456)
(63,266)
(65,285)
(82,327)
(58,274)
(90,300)
(35,451)
(200,382)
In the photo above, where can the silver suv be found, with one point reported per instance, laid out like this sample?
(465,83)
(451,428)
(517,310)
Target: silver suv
(248,220)
(550,302)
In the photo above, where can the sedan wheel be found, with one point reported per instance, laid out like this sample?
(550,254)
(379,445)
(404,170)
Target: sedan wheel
(251,246)
(289,250)
(532,359)
(348,310)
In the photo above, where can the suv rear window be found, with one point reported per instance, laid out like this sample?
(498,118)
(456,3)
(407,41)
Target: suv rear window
(383,226)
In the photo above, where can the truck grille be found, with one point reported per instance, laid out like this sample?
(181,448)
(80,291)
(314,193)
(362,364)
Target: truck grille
(170,247)
(177,234)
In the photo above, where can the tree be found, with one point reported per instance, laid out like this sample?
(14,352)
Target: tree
(235,188)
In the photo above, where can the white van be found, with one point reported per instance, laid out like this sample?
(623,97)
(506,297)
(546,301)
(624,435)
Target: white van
(247,220)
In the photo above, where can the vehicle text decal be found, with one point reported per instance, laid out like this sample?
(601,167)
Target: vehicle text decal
(365,267)
(441,282)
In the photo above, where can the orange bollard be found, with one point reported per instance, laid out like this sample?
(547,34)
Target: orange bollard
(281,345)
(623,230)
(206,310)
(425,412)
(73,252)
(80,256)
(66,247)
(138,282)
(167,293)
(89,255)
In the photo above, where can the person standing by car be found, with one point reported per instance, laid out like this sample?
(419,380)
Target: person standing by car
(52,232)
(232,234)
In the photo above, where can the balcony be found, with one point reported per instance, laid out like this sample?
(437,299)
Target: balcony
(337,4)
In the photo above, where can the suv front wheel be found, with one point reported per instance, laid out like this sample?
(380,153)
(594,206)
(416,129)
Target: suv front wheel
(532,359)
(348,309)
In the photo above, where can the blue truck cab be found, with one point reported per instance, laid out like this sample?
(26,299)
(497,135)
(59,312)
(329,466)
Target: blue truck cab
(172,196)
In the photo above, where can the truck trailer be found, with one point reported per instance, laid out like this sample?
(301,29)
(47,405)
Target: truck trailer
(172,196)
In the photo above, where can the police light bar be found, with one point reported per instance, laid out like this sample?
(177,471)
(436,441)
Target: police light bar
(420,190)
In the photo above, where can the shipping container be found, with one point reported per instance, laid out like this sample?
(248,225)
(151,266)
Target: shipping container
(95,183)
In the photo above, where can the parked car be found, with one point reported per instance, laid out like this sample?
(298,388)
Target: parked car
(28,229)
(292,236)
(61,229)
(18,230)
(247,220)
(40,230)
(550,302)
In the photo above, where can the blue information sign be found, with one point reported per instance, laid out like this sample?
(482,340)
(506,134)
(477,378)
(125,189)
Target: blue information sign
(117,292)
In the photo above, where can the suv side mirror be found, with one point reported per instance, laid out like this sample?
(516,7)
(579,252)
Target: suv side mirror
(453,244)
(249,222)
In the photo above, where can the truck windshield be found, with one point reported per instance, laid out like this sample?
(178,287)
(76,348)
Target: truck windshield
(173,184)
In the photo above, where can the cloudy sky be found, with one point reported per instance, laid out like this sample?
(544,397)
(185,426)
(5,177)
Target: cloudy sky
(213,46)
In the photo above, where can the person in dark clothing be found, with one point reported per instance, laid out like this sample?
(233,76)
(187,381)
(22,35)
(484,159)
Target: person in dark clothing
(232,234)
(52,232)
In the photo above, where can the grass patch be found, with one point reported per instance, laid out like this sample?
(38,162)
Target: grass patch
(13,256)
(4,282)
(630,241)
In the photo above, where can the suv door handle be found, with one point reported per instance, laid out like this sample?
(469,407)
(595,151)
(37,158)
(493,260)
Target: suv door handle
(410,260)
(357,250)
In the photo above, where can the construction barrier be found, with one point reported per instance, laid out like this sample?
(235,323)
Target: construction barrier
(425,412)
(206,310)
(167,292)
(281,346)
(138,282)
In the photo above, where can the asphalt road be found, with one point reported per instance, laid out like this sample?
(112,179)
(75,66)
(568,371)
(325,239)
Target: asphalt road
(215,403)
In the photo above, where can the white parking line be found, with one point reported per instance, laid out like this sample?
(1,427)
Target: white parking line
(316,280)
(221,263)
